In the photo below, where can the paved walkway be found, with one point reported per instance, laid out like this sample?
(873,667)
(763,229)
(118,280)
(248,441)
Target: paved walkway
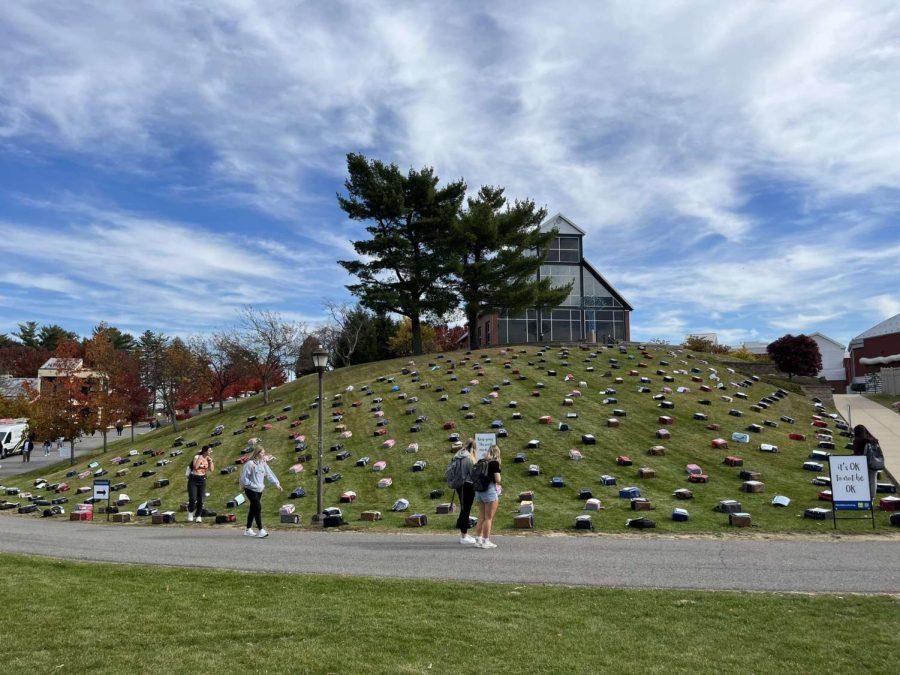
(882,422)
(851,564)
(13,465)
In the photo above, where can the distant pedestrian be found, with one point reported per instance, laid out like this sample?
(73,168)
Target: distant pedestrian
(59,445)
(864,443)
(459,478)
(486,480)
(119,427)
(27,447)
(197,471)
(47,447)
(253,477)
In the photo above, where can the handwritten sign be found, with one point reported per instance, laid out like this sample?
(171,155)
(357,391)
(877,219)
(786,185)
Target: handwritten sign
(483,443)
(850,483)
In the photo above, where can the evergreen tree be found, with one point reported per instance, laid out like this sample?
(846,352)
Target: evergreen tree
(496,251)
(52,336)
(403,266)
(28,334)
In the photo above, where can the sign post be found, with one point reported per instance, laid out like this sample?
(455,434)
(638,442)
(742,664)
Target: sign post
(483,443)
(850,489)
(101,492)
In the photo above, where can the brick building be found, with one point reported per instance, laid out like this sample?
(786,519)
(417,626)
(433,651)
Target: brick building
(879,342)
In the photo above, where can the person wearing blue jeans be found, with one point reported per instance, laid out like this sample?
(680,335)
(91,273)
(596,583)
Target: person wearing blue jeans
(488,500)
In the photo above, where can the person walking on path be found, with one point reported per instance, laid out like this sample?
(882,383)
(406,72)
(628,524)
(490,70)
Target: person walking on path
(486,480)
(200,466)
(27,447)
(47,447)
(253,478)
(459,478)
(119,427)
(865,444)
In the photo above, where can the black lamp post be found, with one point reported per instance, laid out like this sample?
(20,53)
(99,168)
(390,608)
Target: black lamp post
(320,361)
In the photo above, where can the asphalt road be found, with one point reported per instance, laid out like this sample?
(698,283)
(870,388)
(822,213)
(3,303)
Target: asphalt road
(851,564)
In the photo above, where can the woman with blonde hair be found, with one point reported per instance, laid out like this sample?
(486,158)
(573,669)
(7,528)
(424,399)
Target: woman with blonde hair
(486,478)
(253,478)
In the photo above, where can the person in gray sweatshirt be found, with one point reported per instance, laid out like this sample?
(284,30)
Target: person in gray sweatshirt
(465,491)
(253,477)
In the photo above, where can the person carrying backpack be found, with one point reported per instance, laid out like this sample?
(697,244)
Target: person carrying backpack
(486,480)
(865,444)
(459,478)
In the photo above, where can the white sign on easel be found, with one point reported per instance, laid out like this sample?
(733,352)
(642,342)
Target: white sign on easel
(483,443)
(850,483)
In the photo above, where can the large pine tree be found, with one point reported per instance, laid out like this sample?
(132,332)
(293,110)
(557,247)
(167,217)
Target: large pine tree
(403,265)
(497,249)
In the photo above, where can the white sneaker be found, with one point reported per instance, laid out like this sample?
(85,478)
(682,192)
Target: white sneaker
(466,539)
(198,519)
(190,517)
(478,541)
(487,543)
(262,534)
(249,532)
(478,544)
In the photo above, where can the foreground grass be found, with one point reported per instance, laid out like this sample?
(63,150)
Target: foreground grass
(78,617)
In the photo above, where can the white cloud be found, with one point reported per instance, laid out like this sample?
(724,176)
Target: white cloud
(655,126)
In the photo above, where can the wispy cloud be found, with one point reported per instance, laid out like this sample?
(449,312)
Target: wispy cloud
(735,160)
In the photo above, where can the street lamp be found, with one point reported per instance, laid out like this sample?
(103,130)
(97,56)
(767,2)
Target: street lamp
(320,361)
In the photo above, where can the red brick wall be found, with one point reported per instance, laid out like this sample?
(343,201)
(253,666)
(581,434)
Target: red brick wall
(883,345)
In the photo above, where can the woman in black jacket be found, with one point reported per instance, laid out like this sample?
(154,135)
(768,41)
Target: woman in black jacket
(861,438)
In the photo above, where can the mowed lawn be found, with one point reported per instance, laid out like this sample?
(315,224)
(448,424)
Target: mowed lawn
(79,617)
(515,374)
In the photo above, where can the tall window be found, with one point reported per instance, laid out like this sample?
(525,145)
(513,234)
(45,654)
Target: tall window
(604,324)
(564,249)
(561,275)
(596,294)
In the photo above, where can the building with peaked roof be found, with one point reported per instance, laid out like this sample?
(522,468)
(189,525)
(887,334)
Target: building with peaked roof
(832,353)
(56,368)
(869,351)
(594,311)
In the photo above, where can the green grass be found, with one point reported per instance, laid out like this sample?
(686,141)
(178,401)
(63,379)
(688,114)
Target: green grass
(887,400)
(79,617)
(555,508)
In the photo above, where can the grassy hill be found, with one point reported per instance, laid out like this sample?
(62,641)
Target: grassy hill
(515,374)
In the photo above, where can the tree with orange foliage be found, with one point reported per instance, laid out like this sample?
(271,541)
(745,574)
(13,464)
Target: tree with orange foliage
(65,408)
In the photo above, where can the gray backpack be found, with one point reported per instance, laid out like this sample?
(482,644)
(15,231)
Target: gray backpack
(458,472)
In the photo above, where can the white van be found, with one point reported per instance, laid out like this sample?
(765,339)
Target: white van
(12,434)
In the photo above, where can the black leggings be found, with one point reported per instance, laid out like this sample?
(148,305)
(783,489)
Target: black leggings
(255,512)
(196,493)
(466,497)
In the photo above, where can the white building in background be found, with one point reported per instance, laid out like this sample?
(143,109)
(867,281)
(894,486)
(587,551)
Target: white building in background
(832,353)
(758,348)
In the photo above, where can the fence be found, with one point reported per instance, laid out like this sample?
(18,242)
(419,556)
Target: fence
(890,381)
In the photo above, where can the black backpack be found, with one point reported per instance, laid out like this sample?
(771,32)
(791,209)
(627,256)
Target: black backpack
(874,456)
(481,478)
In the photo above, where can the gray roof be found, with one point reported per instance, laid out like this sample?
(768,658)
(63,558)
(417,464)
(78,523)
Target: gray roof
(10,387)
(886,327)
(57,363)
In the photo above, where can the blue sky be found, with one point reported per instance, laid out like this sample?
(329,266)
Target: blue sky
(734,164)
